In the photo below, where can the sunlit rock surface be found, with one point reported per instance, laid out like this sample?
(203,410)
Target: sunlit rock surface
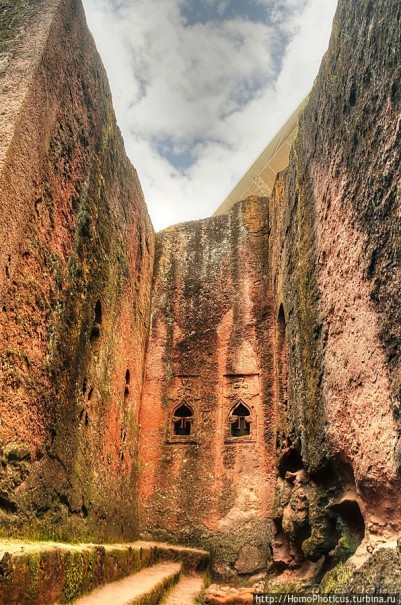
(76,265)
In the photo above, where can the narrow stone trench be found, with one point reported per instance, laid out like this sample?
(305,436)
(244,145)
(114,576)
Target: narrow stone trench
(227,391)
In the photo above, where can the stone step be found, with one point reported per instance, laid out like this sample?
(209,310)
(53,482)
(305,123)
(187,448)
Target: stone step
(42,573)
(147,587)
(185,592)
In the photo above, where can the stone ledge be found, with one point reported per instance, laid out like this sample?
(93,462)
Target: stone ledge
(41,573)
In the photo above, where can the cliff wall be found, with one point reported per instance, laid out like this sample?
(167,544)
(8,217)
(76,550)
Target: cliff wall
(339,201)
(75,274)
(335,250)
(270,413)
(210,350)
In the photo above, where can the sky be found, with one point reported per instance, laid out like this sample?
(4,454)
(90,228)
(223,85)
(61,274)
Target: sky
(201,86)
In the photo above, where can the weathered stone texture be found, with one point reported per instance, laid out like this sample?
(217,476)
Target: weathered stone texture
(43,573)
(335,250)
(288,307)
(328,317)
(210,347)
(76,263)
(350,152)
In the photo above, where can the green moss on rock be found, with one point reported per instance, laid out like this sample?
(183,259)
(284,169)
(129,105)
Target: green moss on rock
(337,579)
(74,576)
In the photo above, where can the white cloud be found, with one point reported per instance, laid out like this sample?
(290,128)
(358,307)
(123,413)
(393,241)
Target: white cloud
(211,87)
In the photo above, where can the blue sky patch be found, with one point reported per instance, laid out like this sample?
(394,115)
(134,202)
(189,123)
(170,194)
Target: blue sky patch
(181,157)
(203,11)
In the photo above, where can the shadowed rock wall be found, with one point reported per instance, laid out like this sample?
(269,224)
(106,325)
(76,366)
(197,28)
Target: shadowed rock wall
(335,250)
(75,274)
(211,349)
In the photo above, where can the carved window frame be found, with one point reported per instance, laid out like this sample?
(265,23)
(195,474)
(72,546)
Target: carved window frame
(171,436)
(229,438)
(187,419)
(251,403)
(249,419)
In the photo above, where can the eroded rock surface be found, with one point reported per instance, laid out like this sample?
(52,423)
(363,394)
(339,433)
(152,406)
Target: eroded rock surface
(336,259)
(270,413)
(208,411)
(332,368)
(76,261)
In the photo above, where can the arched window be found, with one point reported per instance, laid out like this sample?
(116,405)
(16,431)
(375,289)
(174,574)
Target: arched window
(240,420)
(182,419)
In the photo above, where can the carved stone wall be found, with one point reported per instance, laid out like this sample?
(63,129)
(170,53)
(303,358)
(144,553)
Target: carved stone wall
(211,348)
(76,263)
(183,392)
(275,334)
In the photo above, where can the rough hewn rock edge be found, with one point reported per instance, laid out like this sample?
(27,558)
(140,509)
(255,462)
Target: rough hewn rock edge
(46,573)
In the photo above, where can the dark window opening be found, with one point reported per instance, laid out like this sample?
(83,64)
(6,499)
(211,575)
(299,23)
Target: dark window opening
(140,244)
(123,436)
(7,267)
(95,332)
(98,312)
(182,419)
(127,382)
(240,421)
(84,416)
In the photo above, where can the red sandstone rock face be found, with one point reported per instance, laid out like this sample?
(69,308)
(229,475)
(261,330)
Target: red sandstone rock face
(334,247)
(355,185)
(76,263)
(276,325)
(211,350)
(332,329)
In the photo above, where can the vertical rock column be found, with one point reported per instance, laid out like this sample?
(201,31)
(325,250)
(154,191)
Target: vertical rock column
(75,275)
(207,418)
